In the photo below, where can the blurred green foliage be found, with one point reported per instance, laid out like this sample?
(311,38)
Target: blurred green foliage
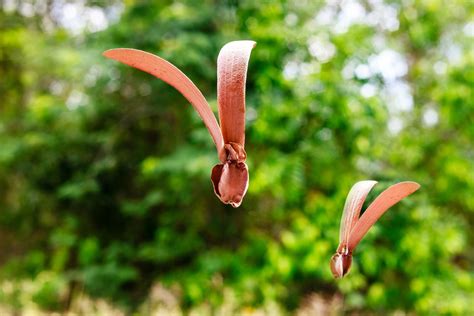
(104,170)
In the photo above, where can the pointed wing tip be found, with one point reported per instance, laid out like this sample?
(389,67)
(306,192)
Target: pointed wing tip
(360,185)
(115,53)
(253,43)
(240,43)
(411,184)
(111,53)
(373,182)
(250,42)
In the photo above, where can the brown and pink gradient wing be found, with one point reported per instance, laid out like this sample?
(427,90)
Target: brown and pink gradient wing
(232,64)
(379,206)
(354,201)
(170,74)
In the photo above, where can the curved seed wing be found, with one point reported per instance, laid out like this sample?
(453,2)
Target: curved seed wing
(354,201)
(232,64)
(170,74)
(379,206)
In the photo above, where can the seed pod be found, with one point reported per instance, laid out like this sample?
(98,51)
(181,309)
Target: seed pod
(340,264)
(353,228)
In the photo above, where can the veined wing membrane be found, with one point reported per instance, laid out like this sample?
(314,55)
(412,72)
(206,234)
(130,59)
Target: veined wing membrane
(354,201)
(170,74)
(379,206)
(232,64)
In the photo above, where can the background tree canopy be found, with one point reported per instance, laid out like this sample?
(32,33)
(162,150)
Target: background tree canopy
(105,200)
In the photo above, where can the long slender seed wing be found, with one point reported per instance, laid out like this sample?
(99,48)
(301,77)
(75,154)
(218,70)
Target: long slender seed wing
(379,206)
(354,201)
(232,64)
(170,74)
